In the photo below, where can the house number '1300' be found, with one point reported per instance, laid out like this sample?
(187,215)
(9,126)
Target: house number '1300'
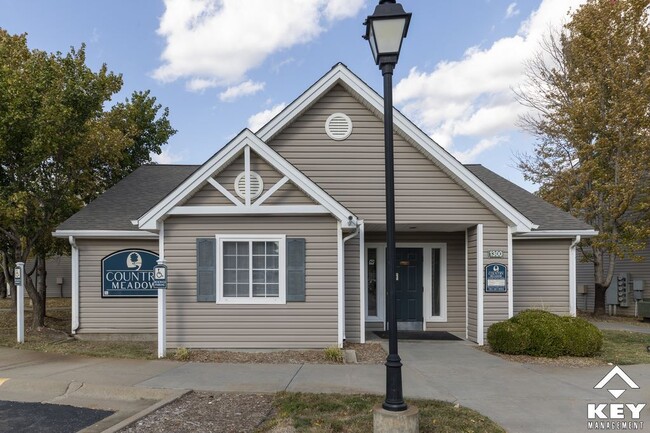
(495,254)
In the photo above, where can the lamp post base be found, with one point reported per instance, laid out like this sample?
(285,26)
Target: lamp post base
(386,421)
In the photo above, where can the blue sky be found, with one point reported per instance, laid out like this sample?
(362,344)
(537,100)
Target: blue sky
(223,65)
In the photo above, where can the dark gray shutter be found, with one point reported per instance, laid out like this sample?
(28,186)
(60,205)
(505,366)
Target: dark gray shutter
(295,270)
(206,270)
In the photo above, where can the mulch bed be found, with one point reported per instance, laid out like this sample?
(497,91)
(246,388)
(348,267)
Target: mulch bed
(368,353)
(204,412)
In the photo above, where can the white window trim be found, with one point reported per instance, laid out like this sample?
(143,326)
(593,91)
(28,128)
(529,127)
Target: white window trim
(426,281)
(282,242)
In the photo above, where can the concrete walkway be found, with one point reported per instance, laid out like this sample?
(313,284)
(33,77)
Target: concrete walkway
(642,328)
(522,398)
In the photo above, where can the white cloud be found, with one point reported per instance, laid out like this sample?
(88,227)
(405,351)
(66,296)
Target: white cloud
(256,121)
(483,145)
(473,96)
(167,157)
(216,42)
(512,10)
(244,89)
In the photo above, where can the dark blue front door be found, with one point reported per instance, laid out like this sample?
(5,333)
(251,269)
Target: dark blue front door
(409,286)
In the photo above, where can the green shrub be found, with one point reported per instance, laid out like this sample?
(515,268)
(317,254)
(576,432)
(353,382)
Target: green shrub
(547,333)
(334,354)
(583,338)
(508,337)
(540,333)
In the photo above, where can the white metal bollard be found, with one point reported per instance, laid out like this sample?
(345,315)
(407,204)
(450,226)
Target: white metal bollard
(19,277)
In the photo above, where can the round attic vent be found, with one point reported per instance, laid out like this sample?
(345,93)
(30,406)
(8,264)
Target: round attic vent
(338,126)
(257,185)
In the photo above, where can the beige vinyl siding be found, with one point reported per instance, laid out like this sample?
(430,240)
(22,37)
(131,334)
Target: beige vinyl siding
(352,170)
(637,270)
(57,267)
(455,273)
(352,291)
(541,275)
(495,305)
(99,315)
(310,324)
(472,301)
(208,196)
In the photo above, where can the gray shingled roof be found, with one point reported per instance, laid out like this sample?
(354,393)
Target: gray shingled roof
(540,212)
(129,199)
(142,189)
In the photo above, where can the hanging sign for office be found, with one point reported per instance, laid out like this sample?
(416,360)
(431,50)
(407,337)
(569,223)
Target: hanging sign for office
(160,277)
(496,276)
(129,274)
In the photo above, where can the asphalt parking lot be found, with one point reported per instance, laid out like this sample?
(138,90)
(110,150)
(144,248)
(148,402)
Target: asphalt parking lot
(17,417)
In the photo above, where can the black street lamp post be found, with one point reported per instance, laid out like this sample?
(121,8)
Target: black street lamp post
(385,30)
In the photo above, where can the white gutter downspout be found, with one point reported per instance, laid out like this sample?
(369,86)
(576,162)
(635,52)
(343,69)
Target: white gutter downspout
(572,276)
(511,266)
(342,242)
(75,285)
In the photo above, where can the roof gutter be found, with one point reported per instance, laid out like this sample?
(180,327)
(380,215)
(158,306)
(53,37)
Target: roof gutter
(98,234)
(556,234)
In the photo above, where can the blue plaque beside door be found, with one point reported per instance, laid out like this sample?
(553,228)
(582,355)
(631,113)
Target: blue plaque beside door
(496,278)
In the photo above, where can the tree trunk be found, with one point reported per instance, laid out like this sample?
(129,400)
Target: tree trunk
(38,305)
(3,286)
(42,284)
(599,299)
(9,278)
(602,277)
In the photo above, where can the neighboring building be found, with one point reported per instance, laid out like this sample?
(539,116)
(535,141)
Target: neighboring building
(277,241)
(59,276)
(637,271)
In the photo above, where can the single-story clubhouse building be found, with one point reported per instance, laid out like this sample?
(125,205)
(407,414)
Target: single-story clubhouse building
(278,240)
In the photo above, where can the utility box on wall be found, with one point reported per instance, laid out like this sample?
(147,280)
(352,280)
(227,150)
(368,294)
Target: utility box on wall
(638,290)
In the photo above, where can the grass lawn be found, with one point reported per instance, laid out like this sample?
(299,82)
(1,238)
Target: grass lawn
(623,347)
(55,339)
(51,303)
(353,414)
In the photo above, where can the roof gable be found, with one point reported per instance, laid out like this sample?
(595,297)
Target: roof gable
(340,74)
(246,141)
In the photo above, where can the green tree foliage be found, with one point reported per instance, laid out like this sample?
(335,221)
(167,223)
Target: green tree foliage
(589,90)
(60,147)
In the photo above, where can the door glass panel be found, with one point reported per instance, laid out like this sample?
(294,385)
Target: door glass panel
(372,282)
(435,282)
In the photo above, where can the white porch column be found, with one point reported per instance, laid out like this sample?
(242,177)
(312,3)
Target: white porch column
(479,285)
(162,298)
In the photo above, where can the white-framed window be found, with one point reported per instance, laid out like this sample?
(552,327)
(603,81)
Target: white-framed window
(375,284)
(251,269)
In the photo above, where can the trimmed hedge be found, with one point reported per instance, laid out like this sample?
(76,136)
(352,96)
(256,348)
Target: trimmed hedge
(585,339)
(509,337)
(540,333)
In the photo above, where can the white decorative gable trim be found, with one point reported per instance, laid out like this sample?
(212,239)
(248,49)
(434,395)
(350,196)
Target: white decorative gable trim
(341,74)
(244,143)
